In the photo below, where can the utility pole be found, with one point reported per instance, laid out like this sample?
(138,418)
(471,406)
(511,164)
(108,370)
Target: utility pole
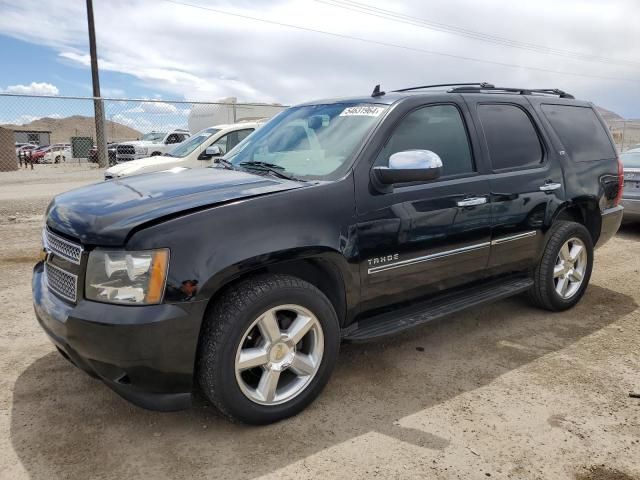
(98,105)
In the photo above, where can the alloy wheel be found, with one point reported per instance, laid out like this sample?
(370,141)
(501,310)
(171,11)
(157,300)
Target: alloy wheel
(570,267)
(279,354)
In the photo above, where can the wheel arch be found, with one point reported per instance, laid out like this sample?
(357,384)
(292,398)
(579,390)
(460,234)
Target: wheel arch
(326,269)
(585,211)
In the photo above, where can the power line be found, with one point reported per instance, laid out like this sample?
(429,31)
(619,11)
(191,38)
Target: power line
(467,33)
(403,47)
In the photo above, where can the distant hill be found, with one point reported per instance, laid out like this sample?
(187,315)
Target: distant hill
(608,115)
(62,129)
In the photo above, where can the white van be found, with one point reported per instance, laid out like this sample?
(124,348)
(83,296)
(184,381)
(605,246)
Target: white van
(192,153)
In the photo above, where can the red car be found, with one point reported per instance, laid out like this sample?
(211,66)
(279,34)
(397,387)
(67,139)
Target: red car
(39,152)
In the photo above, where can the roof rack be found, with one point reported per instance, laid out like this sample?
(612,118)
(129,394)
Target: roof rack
(520,91)
(481,84)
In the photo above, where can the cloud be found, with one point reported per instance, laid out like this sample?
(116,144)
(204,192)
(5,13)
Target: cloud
(197,54)
(34,88)
(154,107)
(112,92)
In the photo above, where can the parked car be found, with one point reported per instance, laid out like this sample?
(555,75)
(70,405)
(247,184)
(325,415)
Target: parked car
(19,145)
(200,150)
(631,196)
(339,220)
(150,145)
(58,153)
(111,152)
(28,147)
(38,153)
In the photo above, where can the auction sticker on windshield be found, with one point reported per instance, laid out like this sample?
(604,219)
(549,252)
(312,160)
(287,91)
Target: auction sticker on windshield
(362,110)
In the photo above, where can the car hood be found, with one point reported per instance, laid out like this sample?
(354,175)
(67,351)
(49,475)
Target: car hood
(128,168)
(106,213)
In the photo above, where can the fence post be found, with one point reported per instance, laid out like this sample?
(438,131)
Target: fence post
(101,138)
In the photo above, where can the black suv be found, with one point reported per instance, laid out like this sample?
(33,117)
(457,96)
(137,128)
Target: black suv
(339,220)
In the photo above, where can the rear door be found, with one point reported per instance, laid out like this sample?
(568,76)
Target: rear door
(526,180)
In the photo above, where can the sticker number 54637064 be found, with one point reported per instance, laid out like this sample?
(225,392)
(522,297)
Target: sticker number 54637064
(362,110)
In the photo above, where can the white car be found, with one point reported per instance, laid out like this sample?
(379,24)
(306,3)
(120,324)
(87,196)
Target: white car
(57,153)
(150,145)
(197,152)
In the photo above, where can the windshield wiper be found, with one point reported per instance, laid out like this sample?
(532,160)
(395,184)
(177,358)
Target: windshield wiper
(272,168)
(225,163)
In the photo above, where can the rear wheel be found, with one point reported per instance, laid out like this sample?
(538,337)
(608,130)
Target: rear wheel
(268,348)
(58,158)
(155,154)
(563,273)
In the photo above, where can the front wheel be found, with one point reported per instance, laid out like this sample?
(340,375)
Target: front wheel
(267,348)
(563,274)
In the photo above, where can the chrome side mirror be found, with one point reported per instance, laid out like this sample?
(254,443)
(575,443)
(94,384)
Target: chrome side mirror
(212,151)
(410,166)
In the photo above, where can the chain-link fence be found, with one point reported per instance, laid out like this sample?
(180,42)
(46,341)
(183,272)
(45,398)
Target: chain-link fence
(64,127)
(626,133)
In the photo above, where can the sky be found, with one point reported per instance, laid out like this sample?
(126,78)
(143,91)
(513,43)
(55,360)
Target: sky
(291,51)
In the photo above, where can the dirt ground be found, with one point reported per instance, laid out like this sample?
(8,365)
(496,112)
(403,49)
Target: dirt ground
(502,391)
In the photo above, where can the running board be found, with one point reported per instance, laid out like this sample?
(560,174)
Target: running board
(397,321)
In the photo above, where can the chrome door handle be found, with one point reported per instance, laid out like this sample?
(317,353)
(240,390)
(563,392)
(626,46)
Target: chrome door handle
(550,187)
(470,202)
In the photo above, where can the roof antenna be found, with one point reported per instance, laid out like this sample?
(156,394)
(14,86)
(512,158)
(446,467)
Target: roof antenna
(377,92)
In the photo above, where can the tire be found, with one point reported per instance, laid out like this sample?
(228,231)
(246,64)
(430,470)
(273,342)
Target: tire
(57,160)
(155,154)
(235,322)
(552,268)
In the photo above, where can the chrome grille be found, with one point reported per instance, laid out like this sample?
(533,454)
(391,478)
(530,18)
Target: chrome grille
(64,248)
(126,149)
(61,283)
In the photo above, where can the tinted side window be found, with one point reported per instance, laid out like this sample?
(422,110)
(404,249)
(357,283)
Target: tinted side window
(580,132)
(236,137)
(222,143)
(438,128)
(511,137)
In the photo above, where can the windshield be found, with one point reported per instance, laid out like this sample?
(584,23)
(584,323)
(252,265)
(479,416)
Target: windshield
(630,159)
(185,148)
(312,142)
(153,136)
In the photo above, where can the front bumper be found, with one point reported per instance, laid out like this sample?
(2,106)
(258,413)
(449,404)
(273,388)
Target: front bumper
(611,219)
(631,209)
(146,354)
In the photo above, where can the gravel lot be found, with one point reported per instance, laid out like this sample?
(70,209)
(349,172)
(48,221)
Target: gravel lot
(502,391)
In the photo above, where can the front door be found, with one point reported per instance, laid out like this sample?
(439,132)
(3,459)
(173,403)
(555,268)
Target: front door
(420,238)
(226,143)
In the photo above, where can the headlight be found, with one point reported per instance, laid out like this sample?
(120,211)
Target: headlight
(132,278)
(141,150)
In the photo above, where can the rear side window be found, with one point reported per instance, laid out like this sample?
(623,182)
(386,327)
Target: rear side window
(511,137)
(581,133)
(438,128)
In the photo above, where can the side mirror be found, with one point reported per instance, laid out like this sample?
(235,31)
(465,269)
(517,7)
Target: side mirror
(212,151)
(409,166)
